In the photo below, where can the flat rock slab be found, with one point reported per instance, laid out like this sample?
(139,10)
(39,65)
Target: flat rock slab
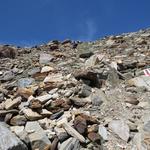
(141,81)
(37,136)
(70,130)
(8,140)
(120,128)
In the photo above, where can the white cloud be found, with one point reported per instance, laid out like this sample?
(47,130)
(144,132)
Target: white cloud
(90,30)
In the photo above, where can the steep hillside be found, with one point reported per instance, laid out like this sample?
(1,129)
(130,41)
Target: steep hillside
(74,95)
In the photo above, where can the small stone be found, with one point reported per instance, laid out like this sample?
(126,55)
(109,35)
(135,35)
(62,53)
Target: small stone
(18,120)
(86,54)
(31,115)
(45,58)
(7,118)
(7,76)
(17,129)
(37,136)
(70,130)
(35,104)
(103,132)
(54,144)
(85,91)
(94,137)
(4,112)
(44,98)
(53,78)
(120,128)
(147,127)
(98,98)
(25,82)
(79,102)
(57,115)
(24,92)
(10,104)
(80,124)
(45,113)
(70,144)
(46,69)
(93,128)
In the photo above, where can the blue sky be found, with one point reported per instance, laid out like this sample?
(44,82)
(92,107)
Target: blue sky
(31,22)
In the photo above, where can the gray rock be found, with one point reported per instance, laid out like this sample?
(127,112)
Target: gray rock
(147,127)
(37,136)
(70,144)
(141,81)
(33,71)
(9,141)
(120,128)
(98,98)
(7,76)
(103,132)
(85,91)
(45,58)
(25,82)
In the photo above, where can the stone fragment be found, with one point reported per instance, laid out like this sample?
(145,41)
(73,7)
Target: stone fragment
(24,92)
(45,58)
(35,104)
(4,112)
(79,102)
(141,81)
(70,144)
(7,118)
(44,98)
(9,141)
(94,137)
(103,132)
(80,124)
(57,115)
(7,76)
(98,98)
(92,128)
(147,127)
(120,128)
(46,69)
(54,144)
(18,120)
(53,78)
(37,136)
(31,115)
(45,113)
(8,52)
(70,130)
(25,82)
(86,54)
(61,134)
(10,104)
(34,71)
(85,91)
(17,129)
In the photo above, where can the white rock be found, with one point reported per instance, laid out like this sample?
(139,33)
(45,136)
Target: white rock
(17,129)
(45,58)
(47,69)
(44,98)
(53,78)
(120,128)
(102,132)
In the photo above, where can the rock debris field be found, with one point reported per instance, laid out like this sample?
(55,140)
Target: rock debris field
(74,95)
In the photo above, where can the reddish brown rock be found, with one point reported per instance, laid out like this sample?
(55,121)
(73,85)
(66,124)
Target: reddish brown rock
(94,137)
(80,124)
(35,104)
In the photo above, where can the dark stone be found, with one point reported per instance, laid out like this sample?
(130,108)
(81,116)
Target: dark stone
(57,115)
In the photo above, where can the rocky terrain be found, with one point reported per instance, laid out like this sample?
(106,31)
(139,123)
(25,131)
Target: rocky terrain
(74,95)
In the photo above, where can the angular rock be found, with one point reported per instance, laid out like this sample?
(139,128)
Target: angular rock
(103,132)
(10,104)
(7,76)
(46,69)
(45,58)
(35,104)
(70,130)
(18,120)
(85,91)
(94,137)
(53,78)
(80,124)
(70,144)
(98,98)
(43,99)
(141,81)
(4,112)
(25,82)
(120,128)
(37,136)
(9,141)
(31,115)
(57,115)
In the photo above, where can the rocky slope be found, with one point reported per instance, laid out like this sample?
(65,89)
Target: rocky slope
(76,96)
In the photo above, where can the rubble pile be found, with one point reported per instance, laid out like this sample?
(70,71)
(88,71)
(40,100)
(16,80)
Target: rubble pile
(74,95)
